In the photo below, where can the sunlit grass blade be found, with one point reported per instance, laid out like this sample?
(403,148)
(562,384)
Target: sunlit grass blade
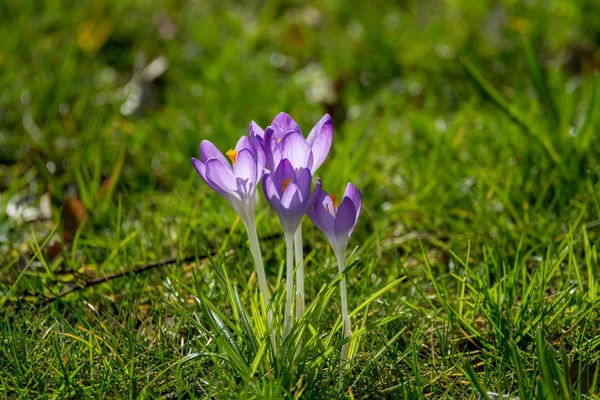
(377,294)
(247,326)
(375,357)
(373,297)
(222,273)
(226,340)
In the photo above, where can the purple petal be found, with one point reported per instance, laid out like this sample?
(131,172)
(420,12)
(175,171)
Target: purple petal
(200,168)
(303,182)
(255,131)
(315,193)
(321,216)
(245,169)
(296,149)
(220,177)
(260,163)
(244,143)
(272,149)
(345,218)
(292,208)
(208,150)
(353,194)
(292,198)
(283,172)
(283,124)
(271,192)
(320,139)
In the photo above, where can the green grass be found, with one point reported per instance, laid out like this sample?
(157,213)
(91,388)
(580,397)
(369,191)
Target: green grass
(470,128)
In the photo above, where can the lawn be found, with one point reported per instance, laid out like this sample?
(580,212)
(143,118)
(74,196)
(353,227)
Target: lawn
(470,129)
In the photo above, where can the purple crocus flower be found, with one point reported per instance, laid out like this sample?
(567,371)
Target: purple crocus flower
(291,161)
(336,220)
(288,192)
(337,223)
(236,182)
(283,139)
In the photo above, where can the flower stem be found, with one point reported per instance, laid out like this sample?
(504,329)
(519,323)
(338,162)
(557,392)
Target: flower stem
(300,304)
(289,277)
(260,273)
(299,259)
(341,259)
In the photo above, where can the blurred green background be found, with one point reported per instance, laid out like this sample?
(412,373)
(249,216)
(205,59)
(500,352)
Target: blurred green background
(66,67)
(85,83)
(470,127)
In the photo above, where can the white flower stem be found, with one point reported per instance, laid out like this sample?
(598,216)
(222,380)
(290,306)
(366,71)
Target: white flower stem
(341,259)
(300,303)
(260,273)
(289,280)
(299,259)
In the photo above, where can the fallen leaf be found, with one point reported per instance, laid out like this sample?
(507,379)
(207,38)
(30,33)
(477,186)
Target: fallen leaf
(73,214)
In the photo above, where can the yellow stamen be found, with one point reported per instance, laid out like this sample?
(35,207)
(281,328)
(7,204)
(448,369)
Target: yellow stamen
(285,184)
(232,154)
(278,140)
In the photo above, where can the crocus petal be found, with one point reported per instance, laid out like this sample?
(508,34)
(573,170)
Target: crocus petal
(292,198)
(284,171)
(200,168)
(244,143)
(329,205)
(272,149)
(292,209)
(282,124)
(255,131)
(321,216)
(245,169)
(354,195)
(296,149)
(345,218)
(208,150)
(315,193)
(320,138)
(303,182)
(220,177)
(271,192)
(260,163)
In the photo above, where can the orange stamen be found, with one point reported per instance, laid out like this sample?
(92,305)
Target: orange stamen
(285,184)
(232,154)
(334,202)
(278,140)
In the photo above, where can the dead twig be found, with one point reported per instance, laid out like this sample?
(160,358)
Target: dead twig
(135,271)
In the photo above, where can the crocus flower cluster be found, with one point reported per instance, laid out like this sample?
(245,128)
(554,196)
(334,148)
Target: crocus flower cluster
(286,162)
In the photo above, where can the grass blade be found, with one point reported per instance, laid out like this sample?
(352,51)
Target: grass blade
(226,340)
(546,367)
(591,113)
(539,82)
(476,383)
(489,93)
(247,326)
(521,380)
